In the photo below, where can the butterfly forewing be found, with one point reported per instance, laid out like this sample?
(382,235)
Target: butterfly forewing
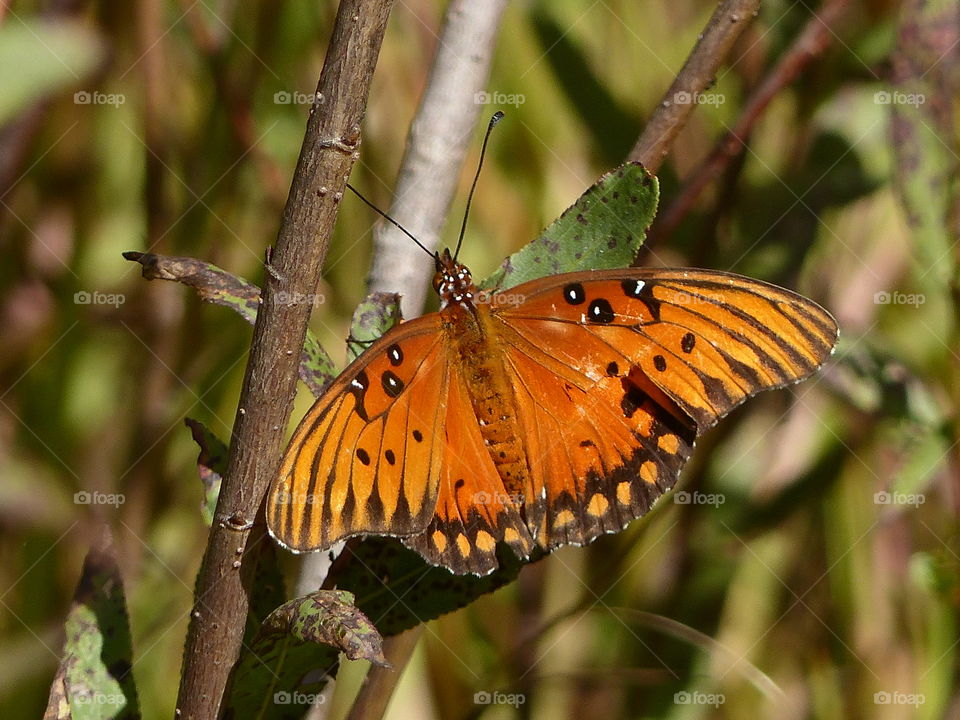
(366,458)
(709,340)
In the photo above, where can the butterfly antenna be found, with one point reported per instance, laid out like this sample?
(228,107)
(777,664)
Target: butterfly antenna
(497,117)
(389,219)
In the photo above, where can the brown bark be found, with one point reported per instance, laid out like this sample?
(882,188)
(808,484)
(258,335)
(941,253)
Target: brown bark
(333,134)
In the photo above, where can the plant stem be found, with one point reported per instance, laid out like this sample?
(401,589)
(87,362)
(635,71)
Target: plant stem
(266,399)
(724,27)
(815,37)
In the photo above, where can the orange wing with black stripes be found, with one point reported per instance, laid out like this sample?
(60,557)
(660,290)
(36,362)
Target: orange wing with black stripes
(602,379)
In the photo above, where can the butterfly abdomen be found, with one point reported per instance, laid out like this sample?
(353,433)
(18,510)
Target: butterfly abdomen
(491,395)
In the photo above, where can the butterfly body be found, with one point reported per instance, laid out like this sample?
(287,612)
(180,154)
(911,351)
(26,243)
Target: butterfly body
(544,416)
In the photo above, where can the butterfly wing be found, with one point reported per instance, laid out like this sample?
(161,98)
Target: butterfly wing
(474,510)
(367,456)
(616,372)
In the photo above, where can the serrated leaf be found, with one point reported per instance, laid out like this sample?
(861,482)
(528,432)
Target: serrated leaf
(296,651)
(603,229)
(372,318)
(280,679)
(215,285)
(94,679)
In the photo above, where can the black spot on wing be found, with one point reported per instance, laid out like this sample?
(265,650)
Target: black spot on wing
(600,311)
(358,387)
(392,385)
(574,294)
(395,355)
(632,288)
(645,295)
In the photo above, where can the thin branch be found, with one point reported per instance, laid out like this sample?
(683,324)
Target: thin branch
(371,703)
(726,24)
(815,37)
(333,133)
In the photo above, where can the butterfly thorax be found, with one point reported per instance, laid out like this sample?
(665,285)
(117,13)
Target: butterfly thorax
(453,281)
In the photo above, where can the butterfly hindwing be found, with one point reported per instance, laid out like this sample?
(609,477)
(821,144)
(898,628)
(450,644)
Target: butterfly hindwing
(601,450)
(366,458)
(474,509)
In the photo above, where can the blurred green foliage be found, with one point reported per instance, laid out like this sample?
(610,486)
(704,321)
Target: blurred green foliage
(825,584)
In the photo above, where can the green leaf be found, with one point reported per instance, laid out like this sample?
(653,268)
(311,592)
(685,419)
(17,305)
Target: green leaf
(372,318)
(217,286)
(603,229)
(94,679)
(331,618)
(39,58)
(280,678)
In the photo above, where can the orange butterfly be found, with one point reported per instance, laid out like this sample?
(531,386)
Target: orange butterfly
(541,417)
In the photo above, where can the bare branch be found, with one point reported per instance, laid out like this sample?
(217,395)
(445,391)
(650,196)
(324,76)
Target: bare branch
(333,133)
(815,37)
(380,683)
(724,27)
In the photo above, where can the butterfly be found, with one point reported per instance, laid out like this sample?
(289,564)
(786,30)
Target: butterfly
(543,416)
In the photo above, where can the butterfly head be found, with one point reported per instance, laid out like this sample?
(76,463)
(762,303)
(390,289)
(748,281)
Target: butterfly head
(453,282)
